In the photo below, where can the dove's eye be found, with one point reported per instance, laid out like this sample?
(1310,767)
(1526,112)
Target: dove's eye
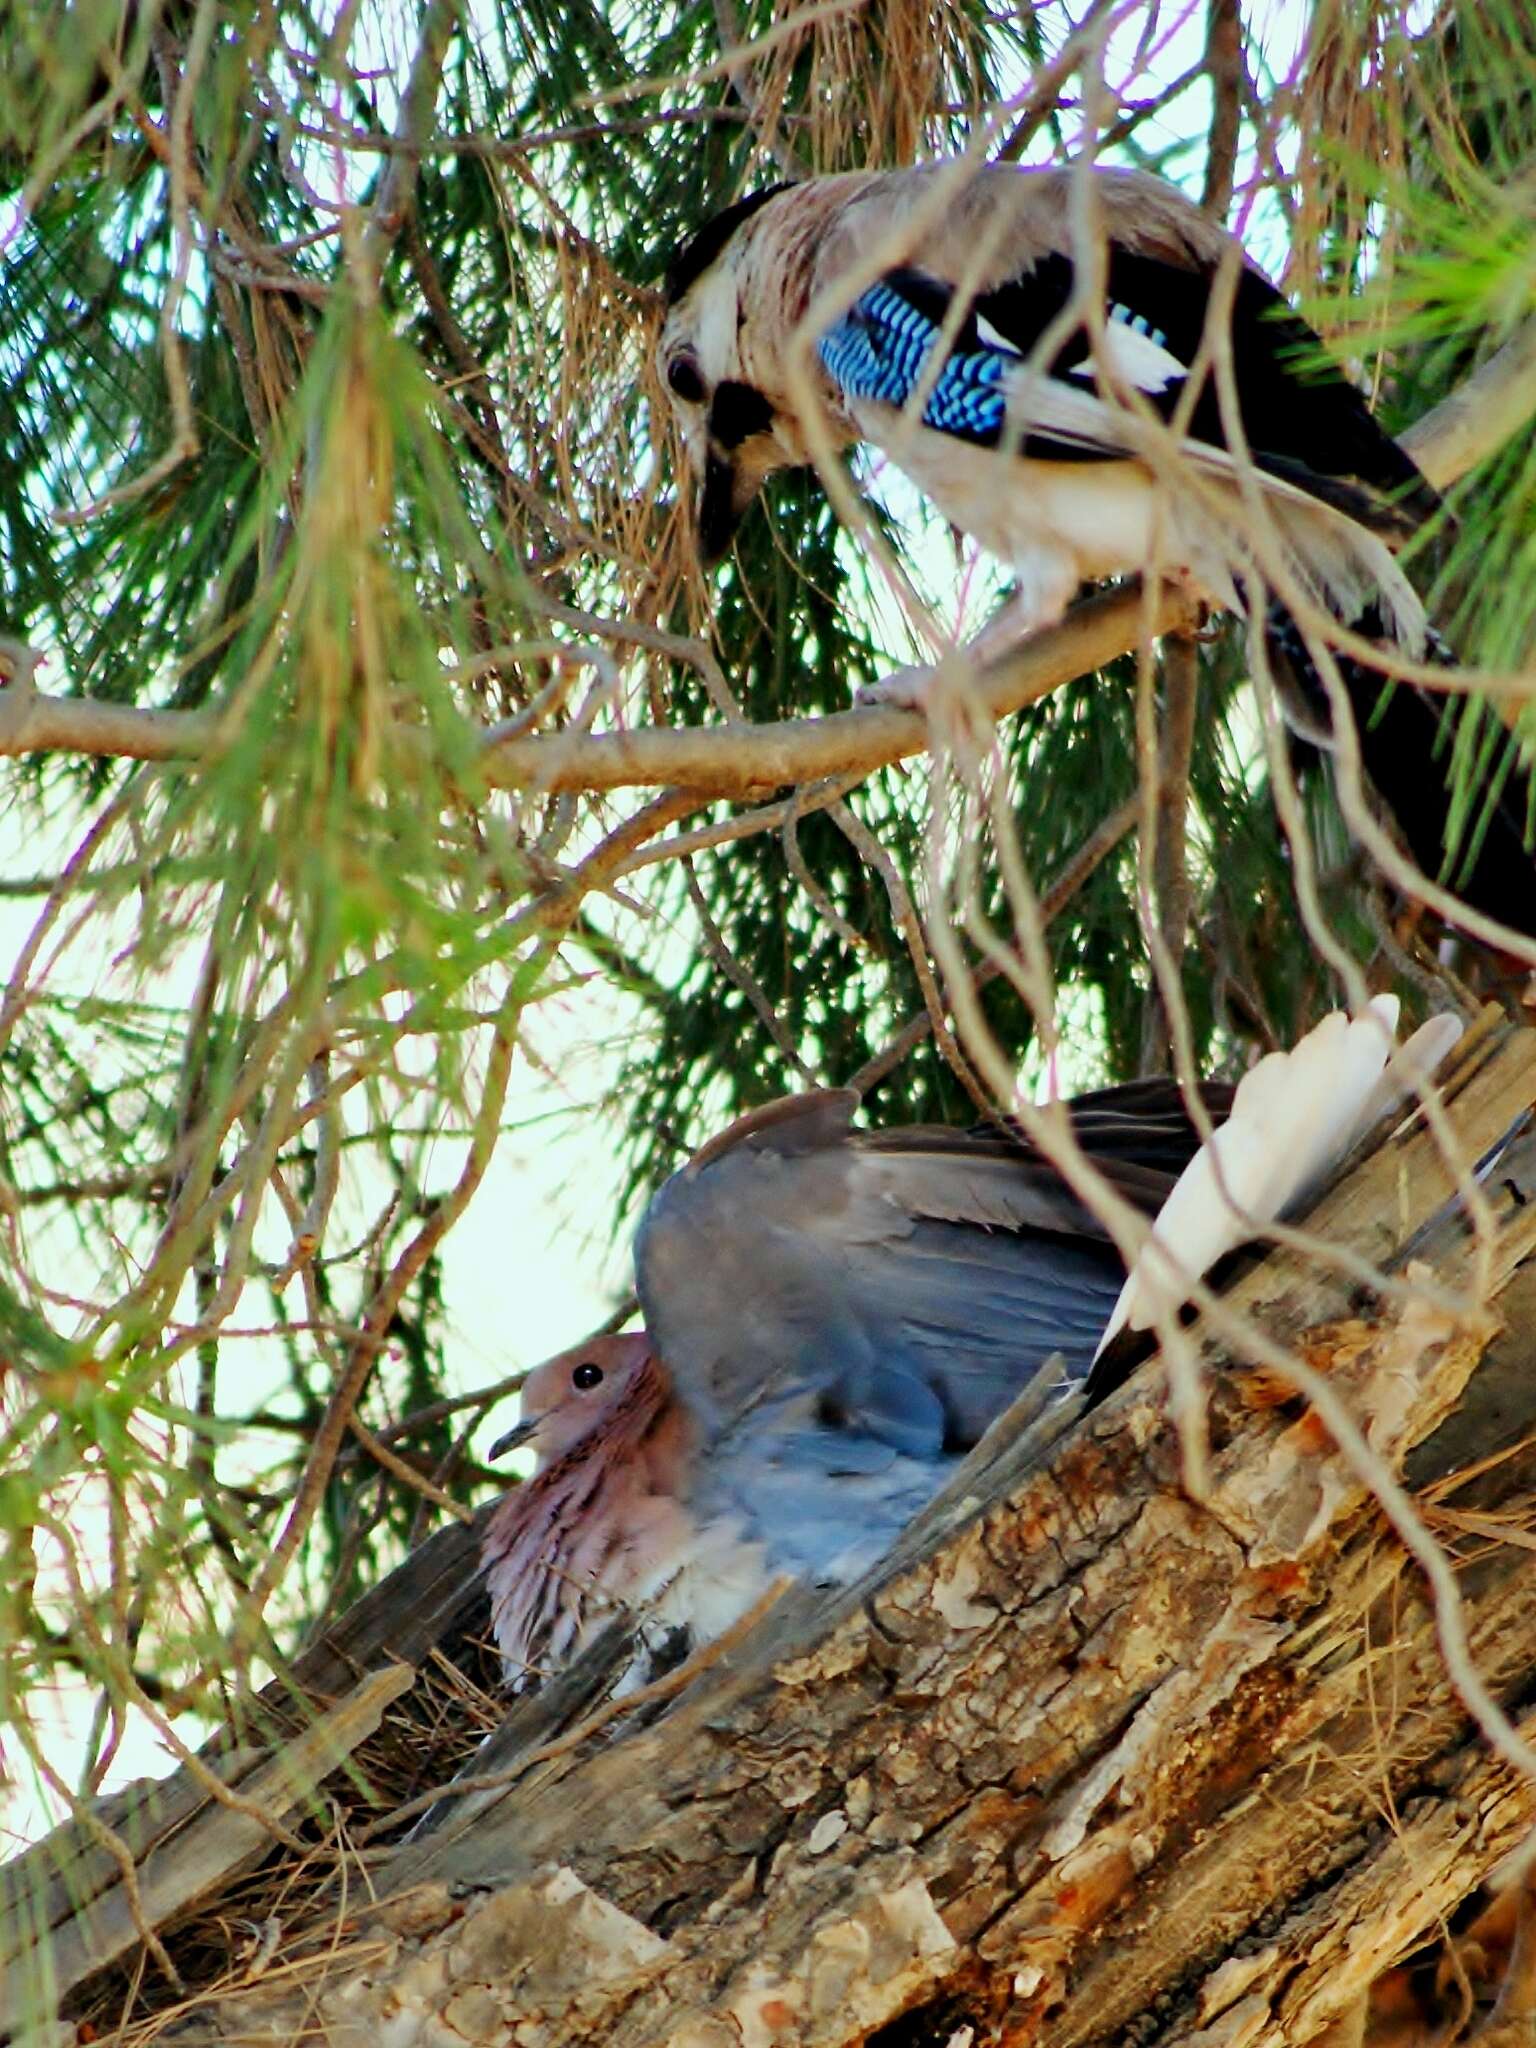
(587,1376)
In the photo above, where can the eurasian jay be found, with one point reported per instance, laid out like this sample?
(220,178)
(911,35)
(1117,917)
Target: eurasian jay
(1037,349)
(1074,425)
(841,1314)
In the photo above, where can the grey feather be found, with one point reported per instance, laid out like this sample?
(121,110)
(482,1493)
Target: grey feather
(862,1305)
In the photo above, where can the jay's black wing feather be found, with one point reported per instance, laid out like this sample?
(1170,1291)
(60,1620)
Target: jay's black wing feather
(1406,740)
(1302,419)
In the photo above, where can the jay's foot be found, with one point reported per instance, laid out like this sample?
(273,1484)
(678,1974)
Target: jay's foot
(904,689)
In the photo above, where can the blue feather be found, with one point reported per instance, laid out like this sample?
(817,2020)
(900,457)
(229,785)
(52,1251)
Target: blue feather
(880,350)
(1138,322)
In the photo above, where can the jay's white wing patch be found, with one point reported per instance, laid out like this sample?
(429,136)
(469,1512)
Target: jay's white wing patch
(993,338)
(1137,355)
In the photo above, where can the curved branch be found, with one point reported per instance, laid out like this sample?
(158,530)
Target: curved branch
(749,760)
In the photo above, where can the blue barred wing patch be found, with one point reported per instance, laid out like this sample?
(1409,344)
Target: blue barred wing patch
(880,350)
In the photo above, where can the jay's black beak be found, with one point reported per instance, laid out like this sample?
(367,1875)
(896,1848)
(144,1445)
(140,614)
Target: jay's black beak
(519,1433)
(719,514)
(737,414)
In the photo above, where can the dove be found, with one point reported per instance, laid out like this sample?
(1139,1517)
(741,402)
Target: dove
(834,1317)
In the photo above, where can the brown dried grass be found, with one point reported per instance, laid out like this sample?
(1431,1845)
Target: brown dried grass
(288,1919)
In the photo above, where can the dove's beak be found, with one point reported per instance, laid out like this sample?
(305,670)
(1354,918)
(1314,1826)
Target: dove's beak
(520,1433)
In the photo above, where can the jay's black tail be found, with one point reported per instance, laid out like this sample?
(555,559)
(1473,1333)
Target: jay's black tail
(1406,737)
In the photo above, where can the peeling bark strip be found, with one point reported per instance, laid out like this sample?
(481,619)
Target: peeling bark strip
(1090,1762)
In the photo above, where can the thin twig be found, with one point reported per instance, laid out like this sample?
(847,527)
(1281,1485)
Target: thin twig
(741,976)
(1044,95)
(664,1688)
(1166,861)
(1224,66)
(1096,848)
(737,57)
(381,1310)
(181,92)
(401,1469)
(904,914)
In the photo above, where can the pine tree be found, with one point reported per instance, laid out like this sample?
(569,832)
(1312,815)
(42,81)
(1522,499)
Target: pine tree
(339,499)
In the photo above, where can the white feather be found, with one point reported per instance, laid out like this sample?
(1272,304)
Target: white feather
(1095,519)
(989,334)
(1413,1066)
(1135,357)
(1294,1117)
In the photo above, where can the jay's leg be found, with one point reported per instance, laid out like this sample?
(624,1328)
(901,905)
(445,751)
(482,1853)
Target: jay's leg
(1044,587)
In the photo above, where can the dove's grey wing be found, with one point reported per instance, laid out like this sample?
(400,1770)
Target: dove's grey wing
(1140,1124)
(844,1313)
(895,1289)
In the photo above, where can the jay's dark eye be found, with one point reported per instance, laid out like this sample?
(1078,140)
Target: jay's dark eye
(684,381)
(586,1377)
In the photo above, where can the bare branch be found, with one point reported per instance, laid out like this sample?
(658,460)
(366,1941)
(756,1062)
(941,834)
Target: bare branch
(396,194)
(1224,64)
(1165,862)
(1097,847)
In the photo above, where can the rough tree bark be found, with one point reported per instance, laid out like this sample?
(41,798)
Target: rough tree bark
(1088,1760)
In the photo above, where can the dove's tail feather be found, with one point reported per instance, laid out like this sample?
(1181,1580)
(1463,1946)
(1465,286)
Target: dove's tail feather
(1294,1118)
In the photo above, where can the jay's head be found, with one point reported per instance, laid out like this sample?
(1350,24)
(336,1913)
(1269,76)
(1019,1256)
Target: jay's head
(734,295)
(568,1397)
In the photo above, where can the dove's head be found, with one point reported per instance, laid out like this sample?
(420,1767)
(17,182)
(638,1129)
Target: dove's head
(570,1396)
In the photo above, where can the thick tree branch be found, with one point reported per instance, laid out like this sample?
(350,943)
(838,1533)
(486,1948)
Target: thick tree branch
(726,761)
(1481,415)
(748,760)
(397,189)
(1166,815)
